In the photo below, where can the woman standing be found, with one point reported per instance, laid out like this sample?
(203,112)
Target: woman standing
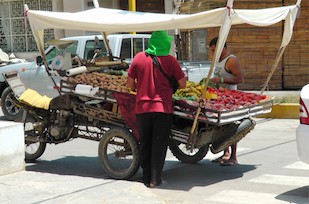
(154,103)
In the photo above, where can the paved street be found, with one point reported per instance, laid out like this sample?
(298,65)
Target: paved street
(269,172)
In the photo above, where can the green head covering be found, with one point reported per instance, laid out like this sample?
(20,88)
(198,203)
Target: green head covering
(159,44)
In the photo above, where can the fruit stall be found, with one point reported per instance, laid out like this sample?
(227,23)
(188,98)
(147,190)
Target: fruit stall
(98,106)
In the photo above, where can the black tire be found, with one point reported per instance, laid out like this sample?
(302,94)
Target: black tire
(242,130)
(185,155)
(8,105)
(33,150)
(118,153)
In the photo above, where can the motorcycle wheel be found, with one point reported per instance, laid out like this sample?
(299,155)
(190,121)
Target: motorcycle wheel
(8,105)
(186,155)
(118,153)
(33,150)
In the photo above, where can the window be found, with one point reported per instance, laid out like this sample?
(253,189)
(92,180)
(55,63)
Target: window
(126,47)
(131,46)
(139,45)
(72,48)
(91,46)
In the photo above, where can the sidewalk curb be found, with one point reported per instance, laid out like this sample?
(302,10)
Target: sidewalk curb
(283,111)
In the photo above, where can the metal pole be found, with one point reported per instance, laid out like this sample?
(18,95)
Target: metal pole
(132,7)
(109,51)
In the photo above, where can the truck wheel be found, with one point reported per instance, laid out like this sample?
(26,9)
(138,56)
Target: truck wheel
(185,155)
(8,104)
(118,153)
(242,130)
(33,150)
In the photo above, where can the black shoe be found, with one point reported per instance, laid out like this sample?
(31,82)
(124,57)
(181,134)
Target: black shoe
(155,184)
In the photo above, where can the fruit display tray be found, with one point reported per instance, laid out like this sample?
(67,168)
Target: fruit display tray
(187,109)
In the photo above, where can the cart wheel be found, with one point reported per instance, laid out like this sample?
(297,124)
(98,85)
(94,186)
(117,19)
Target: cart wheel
(118,153)
(33,150)
(186,155)
(242,130)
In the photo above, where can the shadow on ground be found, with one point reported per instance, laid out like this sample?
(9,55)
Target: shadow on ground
(69,165)
(297,196)
(205,173)
(179,176)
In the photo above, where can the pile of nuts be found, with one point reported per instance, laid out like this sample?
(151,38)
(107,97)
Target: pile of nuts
(101,80)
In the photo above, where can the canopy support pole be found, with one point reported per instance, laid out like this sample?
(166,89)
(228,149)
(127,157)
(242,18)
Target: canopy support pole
(224,30)
(279,55)
(109,51)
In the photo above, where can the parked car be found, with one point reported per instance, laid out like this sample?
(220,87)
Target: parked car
(302,131)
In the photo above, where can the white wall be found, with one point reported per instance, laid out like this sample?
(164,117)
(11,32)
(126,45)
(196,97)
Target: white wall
(73,6)
(80,5)
(12,147)
(58,6)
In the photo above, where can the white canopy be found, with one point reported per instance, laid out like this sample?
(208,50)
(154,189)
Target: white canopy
(115,20)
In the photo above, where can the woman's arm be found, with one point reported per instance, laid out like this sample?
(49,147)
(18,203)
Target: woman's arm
(131,83)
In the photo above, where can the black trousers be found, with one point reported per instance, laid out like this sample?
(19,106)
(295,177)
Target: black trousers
(154,130)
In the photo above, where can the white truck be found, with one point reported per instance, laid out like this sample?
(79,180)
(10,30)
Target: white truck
(34,75)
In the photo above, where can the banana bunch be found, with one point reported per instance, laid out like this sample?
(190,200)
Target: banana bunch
(191,92)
